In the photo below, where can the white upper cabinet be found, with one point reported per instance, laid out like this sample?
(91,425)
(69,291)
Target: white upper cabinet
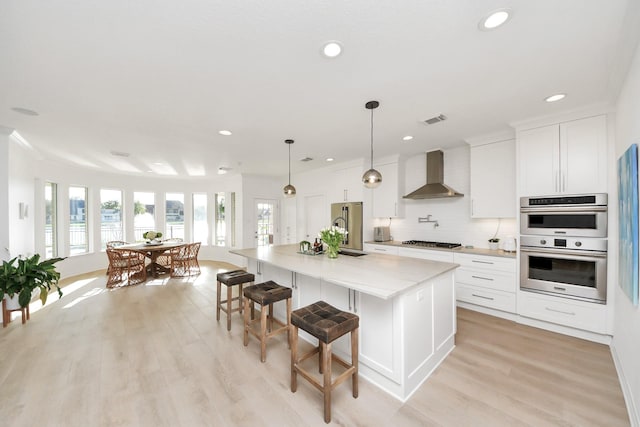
(346,185)
(564,158)
(493,187)
(387,198)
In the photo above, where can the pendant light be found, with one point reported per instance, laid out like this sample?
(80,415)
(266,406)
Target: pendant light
(372,178)
(289,190)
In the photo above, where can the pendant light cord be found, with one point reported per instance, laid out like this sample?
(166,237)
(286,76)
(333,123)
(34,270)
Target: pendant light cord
(372,138)
(289,163)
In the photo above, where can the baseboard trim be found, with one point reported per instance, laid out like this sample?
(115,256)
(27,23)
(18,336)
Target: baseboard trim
(632,409)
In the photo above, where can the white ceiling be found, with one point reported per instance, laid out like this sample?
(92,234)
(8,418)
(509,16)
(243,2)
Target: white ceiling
(159,79)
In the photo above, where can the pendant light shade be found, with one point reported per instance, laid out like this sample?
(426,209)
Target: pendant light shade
(289,190)
(372,178)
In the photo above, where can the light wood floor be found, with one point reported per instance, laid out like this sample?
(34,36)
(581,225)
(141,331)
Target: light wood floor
(154,355)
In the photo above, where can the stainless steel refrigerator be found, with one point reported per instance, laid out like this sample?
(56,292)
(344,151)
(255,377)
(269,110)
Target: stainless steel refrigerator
(349,216)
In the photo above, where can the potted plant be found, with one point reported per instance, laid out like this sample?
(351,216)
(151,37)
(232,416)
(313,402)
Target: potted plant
(22,276)
(493,243)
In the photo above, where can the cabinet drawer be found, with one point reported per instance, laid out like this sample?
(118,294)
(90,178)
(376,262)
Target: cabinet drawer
(381,249)
(499,281)
(498,300)
(486,262)
(431,255)
(566,312)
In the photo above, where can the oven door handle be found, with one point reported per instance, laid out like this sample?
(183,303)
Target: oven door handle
(565,253)
(564,209)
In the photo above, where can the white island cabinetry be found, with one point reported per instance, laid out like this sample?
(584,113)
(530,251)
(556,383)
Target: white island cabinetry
(406,307)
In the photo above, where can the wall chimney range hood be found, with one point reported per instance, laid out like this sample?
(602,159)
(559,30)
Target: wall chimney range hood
(435,188)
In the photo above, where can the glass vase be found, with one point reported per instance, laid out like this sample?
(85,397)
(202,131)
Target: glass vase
(332,251)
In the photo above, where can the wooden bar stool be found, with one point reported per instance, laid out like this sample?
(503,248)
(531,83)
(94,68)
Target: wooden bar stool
(230,279)
(326,323)
(266,294)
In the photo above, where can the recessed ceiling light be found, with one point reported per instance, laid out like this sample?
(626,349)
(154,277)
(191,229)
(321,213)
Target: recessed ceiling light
(407,138)
(225,132)
(331,49)
(25,111)
(330,159)
(556,97)
(158,163)
(494,19)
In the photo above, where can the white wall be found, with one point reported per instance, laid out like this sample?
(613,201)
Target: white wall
(259,187)
(626,338)
(4,193)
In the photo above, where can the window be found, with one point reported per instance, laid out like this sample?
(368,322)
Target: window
(219,221)
(144,214)
(174,216)
(200,226)
(50,220)
(110,217)
(78,226)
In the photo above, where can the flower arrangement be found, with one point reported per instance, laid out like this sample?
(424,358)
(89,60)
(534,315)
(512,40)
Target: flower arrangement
(150,235)
(332,236)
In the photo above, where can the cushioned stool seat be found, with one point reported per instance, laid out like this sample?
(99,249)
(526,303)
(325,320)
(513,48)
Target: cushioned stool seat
(326,323)
(266,294)
(230,279)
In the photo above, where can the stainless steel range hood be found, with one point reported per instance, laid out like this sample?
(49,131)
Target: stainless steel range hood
(435,187)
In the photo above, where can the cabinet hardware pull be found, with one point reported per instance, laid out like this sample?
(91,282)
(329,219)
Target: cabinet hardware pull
(378,249)
(570,313)
(482,296)
(481,262)
(355,307)
(349,299)
(483,278)
(558,288)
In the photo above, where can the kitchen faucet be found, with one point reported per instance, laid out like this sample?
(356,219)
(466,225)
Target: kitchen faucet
(429,220)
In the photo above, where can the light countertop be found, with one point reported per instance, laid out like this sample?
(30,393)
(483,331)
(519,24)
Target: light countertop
(461,249)
(383,276)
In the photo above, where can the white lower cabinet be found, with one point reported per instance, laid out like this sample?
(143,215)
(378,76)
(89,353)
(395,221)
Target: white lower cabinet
(380,249)
(428,254)
(562,311)
(486,281)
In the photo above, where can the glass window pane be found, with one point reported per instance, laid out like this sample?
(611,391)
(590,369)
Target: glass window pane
(144,213)
(110,217)
(174,216)
(78,227)
(219,220)
(50,220)
(200,225)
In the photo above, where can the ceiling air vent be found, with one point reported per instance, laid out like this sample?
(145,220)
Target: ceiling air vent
(437,119)
(306,159)
(119,154)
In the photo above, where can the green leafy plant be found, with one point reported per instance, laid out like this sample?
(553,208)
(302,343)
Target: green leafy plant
(22,276)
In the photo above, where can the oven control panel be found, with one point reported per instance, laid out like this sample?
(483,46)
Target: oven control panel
(575,243)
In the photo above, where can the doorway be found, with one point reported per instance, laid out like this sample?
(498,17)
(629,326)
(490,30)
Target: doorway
(266,222)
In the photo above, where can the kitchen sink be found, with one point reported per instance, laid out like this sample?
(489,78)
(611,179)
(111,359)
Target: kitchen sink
(351,253)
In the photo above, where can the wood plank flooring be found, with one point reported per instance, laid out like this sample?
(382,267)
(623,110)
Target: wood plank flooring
(154,355)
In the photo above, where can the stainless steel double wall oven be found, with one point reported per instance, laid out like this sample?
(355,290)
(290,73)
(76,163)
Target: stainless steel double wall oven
(563,246)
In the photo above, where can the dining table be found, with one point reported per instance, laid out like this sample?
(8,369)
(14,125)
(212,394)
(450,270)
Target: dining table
(152,251)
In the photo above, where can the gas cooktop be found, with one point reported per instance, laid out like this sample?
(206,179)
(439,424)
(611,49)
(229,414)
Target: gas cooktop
(427,244)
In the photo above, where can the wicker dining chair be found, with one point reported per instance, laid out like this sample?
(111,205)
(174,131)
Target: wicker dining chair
(114,244)
(184,260)
(164,259)
(125,266)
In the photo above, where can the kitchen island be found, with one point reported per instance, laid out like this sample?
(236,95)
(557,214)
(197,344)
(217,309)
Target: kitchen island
(406,307)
